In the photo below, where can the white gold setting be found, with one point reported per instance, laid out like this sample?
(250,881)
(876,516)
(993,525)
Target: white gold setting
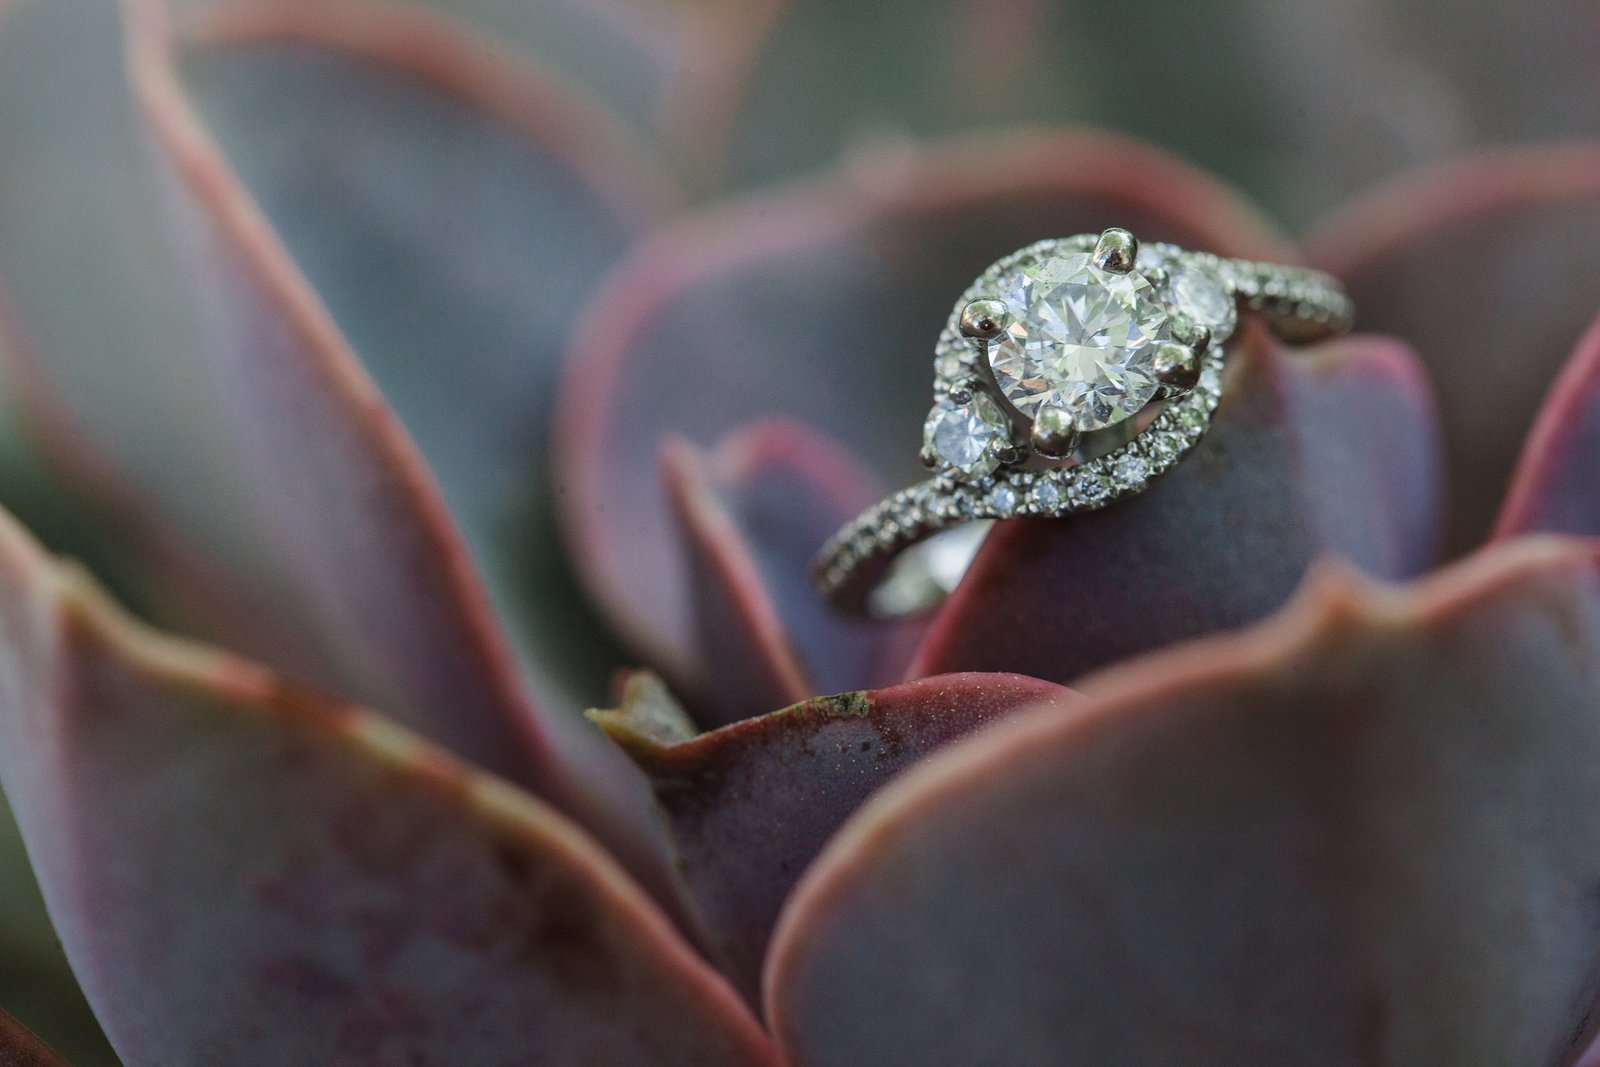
(1070,375)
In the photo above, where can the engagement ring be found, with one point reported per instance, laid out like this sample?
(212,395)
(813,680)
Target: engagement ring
(1070,375)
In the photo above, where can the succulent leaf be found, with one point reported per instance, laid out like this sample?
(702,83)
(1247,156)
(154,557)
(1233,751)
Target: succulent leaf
(751,513)
(453,212)
(234,404)
(1226,538)
(1555,485)
(675,73)
(823,303)
(244,872)
(1489,269)
(1362,833)
(751,804)
(1299,101)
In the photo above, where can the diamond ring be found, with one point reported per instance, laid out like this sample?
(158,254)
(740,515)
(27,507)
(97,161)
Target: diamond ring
(1071,374)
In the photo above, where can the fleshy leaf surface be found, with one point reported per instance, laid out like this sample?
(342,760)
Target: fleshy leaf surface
(1332,449)
(202,361)
(822,302)
(639,57)
(751,804)
(750,514)
(1491,269)
(1556,487)
(453,213)
(245,873)
(1363,833)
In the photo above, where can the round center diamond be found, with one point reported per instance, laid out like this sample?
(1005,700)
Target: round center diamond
(1080,339)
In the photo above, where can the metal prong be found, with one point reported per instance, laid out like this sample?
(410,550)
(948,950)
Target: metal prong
(929,457)
(984,320)
(1011,455)
(1053,435)
(1116,250)
(1190,333)
(1177,366)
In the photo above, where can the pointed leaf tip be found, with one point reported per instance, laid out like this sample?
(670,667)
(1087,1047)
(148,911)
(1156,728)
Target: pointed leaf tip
(751,513)
(1556,485)
(1363,832)
(750,804)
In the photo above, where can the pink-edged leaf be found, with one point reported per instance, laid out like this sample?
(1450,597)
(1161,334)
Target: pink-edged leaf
(21,1047)
(823,302)
(647,61)
(453,210)
(1331,449)
(750,804)
(1299,101)
(1362,834)
(750,514)
(1442,258)
(199,358)
(245,873)
(1556,486)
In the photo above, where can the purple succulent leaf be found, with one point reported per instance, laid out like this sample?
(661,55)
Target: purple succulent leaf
(823,302)
(1490,268)
(206,365)
(648,61)
(750,514)
(1332,449)
(21,1047)
(454,212)
(1337,95)
(751,804)
(244,872)
(1556,488)
(1362,833)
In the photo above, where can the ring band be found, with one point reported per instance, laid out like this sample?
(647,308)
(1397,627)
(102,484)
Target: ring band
(1071,374)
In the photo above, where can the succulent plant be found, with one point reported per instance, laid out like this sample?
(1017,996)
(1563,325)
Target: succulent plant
(378,398)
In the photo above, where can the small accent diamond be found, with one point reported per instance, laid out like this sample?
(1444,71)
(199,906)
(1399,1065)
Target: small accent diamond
(965,437)
(1003,499)
(1205,299)
(1047,495)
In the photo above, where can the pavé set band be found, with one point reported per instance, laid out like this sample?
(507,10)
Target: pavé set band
(1071,374)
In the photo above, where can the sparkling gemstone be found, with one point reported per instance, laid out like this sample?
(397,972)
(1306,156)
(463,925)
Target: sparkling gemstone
(967,437)
(1047,495)
(1003,499)
(1080,340)
(1132,470)
(1201,296)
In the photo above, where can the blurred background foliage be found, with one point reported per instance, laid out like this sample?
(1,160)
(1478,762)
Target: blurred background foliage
(1300,103)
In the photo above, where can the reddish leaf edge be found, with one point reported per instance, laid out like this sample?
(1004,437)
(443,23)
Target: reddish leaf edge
(200,166)
(1334,599)
(923,177)
(705,520)
(76,600)
(454,59)
(1577,385)
(1393,213)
